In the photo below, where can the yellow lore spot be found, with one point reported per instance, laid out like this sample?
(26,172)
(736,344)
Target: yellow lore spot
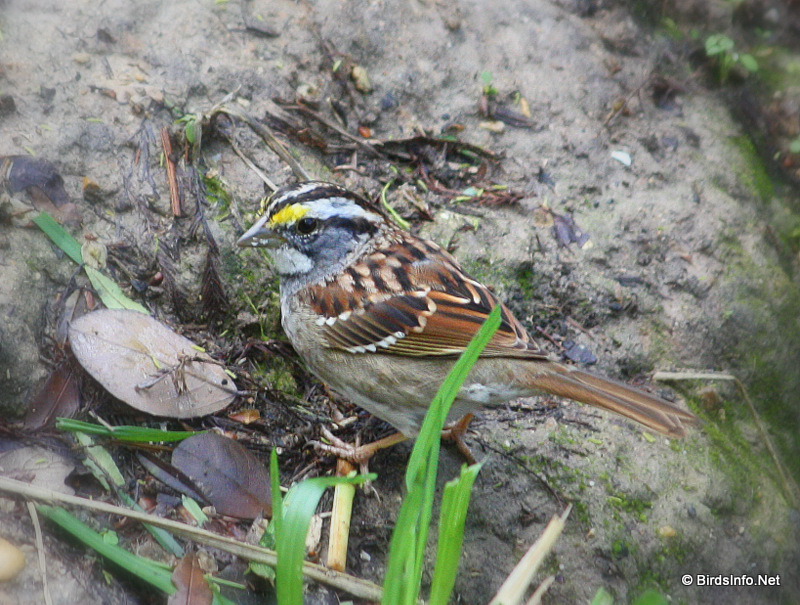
(289,214)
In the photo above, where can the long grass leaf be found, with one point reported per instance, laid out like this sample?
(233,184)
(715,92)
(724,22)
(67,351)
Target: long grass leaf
(298,508)
(135,434)
(455,502)
(147,570)
(407,548)
(99,461)
(60,237)
(430,432)
(110,293)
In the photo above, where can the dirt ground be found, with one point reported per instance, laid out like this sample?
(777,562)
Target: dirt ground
(687,266)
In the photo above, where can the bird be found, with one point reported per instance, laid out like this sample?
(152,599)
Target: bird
(379,315)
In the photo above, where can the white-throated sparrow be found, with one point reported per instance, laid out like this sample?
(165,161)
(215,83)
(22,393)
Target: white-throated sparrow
(379,315)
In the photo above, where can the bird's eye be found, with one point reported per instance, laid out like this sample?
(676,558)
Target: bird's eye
(306,225)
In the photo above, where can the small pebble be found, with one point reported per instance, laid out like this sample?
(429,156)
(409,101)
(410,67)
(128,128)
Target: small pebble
(495,126)
(361,79)
(12,561)
(622,157)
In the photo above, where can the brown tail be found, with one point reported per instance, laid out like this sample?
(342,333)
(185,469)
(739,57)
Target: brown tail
(650,410)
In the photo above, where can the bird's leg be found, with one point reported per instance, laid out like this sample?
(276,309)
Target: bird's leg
(455,433)
(357,454)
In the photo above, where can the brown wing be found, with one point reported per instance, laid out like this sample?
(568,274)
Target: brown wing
(413,299)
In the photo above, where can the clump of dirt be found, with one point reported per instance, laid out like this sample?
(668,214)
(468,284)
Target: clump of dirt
(569,110)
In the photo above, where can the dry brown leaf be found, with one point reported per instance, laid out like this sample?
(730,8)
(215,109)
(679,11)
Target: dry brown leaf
(59,396)
(192,586)
(233,480)
(148,366)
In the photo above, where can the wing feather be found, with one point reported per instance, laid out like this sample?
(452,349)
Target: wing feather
(425,316)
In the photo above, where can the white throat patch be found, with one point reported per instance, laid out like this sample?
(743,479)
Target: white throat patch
(290,261)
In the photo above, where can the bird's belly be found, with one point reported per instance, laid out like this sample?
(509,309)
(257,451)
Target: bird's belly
(399,389)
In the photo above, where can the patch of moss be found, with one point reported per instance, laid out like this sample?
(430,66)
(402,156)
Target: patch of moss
(280,377)
(525,282)
(483,271)
(635,506)
(779,68)
(764,327)
(216,191)
(657,569)
(754,176)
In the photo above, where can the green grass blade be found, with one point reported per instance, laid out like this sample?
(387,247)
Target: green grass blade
(275,485)
(99,461)
(440,406)
(455,502)
(292,526)
(110,293)
(135,434)
(60,237)
(407,548)
(220,600)
(147,570)
(650,597)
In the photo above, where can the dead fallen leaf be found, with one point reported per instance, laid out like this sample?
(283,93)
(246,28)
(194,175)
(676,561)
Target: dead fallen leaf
(148,366)
(232,479)
(44,185)
(566,231)
(192,586)
(23,172)
(37,466)
(59,396)
(246,416)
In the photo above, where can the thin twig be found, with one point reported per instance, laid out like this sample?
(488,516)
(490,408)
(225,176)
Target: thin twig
(251,165)
(392,212)
(615,112)
(37,529)
(265,132)
(350,584)
(368,145)
(172,179)
(340,518)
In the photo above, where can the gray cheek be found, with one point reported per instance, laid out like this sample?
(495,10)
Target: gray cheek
(336,245)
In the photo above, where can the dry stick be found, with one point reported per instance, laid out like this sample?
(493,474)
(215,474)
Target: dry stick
(791,489)
(370,146)
(536,597)
(350,584)
(251,165)
(341,513)
(37,529)
(615,112)
(517,582)
(172,179)
(269,139)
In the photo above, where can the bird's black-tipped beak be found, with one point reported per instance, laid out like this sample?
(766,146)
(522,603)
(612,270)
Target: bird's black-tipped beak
(260,235)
